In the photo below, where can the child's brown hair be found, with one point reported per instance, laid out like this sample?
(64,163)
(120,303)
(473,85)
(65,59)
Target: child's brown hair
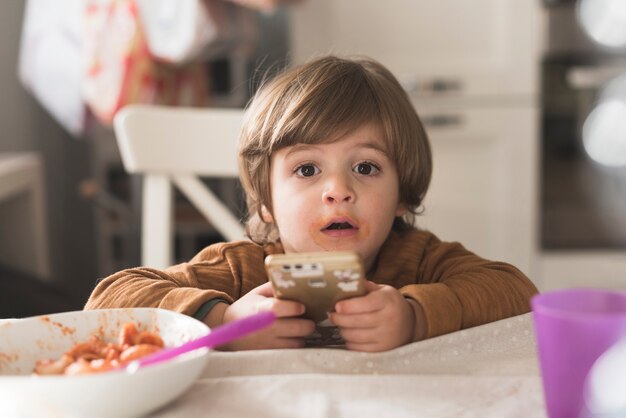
(320,102)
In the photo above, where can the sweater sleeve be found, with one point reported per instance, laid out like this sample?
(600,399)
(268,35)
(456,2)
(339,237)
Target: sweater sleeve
(457,289)
(225,271)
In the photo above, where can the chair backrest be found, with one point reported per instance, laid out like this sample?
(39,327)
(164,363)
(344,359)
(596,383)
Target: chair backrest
(175,146)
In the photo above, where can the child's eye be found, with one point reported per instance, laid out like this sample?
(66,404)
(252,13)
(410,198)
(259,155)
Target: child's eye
(307,170)
(366,169)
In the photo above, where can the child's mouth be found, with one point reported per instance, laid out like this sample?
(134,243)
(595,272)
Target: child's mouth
(340,228)
(339,225)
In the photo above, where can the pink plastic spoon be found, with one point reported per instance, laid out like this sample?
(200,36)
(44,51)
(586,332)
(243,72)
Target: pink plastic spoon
(218,336)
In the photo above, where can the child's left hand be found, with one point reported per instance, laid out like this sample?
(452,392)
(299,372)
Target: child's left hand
(378,321)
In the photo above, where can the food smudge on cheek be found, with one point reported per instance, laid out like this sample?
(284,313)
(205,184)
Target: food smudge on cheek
(317,237)
(364,231)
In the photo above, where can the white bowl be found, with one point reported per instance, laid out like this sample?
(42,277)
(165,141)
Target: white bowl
(110,394)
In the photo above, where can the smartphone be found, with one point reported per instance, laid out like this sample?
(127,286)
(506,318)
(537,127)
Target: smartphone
(318,280)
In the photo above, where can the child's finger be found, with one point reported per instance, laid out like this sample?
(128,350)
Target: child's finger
(368,303)
(288,343)
(366,320)
(372,347)
(281,308)
(371,286)
(265,290)
(285,308)
(358,336)
(293,327)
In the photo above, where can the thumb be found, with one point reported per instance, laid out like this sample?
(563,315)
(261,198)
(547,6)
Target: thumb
(371,286)
(265,290)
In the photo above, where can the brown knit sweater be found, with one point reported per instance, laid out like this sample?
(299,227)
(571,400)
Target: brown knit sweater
(455,288)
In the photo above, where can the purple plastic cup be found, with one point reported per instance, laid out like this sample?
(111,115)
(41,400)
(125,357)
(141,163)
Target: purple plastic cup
(573,328)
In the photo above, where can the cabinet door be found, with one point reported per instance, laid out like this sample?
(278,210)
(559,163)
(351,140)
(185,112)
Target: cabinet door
(453,47)
(483,191)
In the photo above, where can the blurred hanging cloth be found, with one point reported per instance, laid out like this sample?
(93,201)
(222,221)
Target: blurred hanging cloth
(120,68)
(100,55)
(50,63)
(190,30)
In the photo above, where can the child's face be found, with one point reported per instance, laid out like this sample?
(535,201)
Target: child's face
(338,196)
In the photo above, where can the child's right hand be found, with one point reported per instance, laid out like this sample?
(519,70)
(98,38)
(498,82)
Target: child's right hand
(288,331)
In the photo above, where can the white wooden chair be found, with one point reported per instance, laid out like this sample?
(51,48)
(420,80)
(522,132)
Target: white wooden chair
(175,146)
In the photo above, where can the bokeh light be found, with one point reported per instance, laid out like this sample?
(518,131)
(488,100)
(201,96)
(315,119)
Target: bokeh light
(606,382)
(604,133)
(604,21)
(604,130)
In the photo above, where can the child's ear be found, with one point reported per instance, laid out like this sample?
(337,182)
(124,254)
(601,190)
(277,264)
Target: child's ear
(266,215)
(400,210)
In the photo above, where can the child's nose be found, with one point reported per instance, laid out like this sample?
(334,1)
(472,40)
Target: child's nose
(338,189)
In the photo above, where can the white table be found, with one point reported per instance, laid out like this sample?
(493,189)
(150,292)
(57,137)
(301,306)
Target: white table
(486,371)
(23,230)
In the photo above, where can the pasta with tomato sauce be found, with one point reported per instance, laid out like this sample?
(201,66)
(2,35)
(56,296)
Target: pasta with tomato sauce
(95,355)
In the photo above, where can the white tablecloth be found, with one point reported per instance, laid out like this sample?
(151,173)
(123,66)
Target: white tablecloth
(486,371)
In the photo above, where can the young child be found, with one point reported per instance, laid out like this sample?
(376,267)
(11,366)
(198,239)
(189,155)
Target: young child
(333,157)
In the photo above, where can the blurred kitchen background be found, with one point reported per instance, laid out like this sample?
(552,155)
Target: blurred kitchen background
(523,101)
